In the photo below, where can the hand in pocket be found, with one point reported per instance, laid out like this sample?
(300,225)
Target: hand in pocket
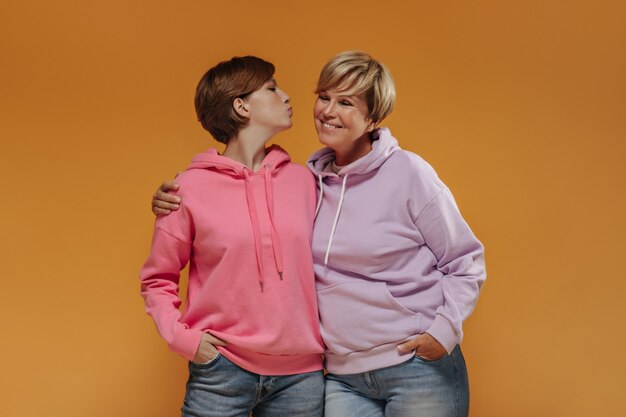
(206,350)
(425,346)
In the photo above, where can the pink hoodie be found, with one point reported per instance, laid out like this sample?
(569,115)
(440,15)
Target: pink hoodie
(247,237)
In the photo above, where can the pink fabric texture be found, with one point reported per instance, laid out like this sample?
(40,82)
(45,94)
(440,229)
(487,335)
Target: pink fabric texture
(247,238)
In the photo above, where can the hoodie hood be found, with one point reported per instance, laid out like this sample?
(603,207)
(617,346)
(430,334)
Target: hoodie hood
(275,159)
(383,146)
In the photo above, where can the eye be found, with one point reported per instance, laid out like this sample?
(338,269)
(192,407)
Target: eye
(273,89)
(345,103)
(323,97)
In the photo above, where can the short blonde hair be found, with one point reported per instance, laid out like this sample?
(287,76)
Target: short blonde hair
(356,73)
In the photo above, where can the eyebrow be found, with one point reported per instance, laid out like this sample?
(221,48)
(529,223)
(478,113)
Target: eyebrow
(351,96)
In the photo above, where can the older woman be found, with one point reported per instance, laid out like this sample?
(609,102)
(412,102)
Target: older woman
(394,260)
(397,268)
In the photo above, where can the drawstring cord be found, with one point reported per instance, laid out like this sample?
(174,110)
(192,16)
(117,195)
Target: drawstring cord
(255,226)
(319,199)
(278,256)
(332,231)
(256,229)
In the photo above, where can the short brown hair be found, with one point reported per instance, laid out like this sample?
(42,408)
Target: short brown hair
(355,73)
(223,83)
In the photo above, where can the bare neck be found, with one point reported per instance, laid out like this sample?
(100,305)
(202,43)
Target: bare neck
(247,148)
(357,150)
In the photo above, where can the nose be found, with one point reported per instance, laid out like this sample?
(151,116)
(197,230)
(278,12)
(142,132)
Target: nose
(329,109)
(285,97)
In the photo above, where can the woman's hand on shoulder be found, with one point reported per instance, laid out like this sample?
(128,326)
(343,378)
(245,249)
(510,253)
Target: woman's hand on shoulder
(162,201)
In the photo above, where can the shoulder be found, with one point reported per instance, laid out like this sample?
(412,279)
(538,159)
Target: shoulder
(294,167)
(193,179)
(297,171)
(404,159)
(409,164)
(415,172)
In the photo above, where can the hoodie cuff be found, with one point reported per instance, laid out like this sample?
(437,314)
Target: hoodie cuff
(442,330)
(186,342)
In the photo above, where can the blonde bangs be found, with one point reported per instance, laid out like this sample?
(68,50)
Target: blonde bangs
(355,73)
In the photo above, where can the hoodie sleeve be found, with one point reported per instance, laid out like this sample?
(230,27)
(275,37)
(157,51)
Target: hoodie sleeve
(460,257)
(171,248)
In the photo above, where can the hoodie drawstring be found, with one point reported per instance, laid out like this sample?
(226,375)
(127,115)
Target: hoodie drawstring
(319,199)
(278,255)
(256,229)
(332,231)
(255,226)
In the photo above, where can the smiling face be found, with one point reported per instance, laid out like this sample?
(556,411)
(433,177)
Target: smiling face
(268,108)
(355,94)
(343,124)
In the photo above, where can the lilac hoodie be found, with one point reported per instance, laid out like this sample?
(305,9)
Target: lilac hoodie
(247,238)
(393,257)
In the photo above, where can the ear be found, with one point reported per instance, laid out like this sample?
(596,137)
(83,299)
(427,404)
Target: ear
(371,126)
(241,107)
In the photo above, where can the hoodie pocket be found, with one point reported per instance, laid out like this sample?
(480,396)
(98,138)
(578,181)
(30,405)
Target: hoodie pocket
(359,316)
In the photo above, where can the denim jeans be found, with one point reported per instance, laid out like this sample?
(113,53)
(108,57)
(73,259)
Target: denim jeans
(416,388)
(220,388)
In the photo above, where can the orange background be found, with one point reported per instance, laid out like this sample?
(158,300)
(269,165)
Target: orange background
(519,105)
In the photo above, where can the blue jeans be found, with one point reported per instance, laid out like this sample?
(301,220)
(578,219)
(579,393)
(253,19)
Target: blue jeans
(416,388)
(220,388)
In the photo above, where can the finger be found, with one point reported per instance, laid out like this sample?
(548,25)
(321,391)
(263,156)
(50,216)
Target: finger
(220,342)
(430,356)
(169,185)
(409,346)
(158,211)
(164,204)
(423,352)
(167,197)
(204,357)
(215,341)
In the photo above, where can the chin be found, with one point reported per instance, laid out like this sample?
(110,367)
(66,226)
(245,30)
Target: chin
(325,140)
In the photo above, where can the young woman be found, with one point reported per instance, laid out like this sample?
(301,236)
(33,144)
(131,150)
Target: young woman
(397,268)
(249,326)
